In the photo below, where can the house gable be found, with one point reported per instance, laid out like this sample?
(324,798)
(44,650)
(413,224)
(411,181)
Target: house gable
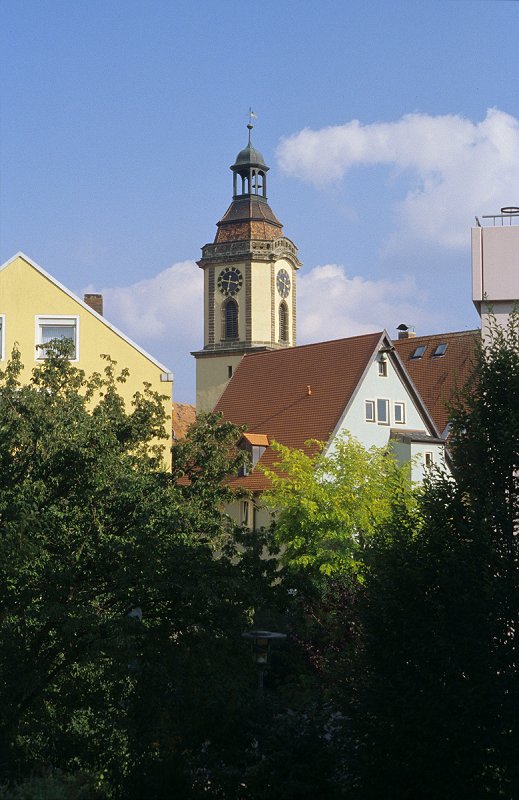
(34,307)
(391,398)
(27,286)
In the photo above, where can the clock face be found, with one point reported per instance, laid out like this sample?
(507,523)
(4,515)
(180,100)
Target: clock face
(283,282)
(230,281)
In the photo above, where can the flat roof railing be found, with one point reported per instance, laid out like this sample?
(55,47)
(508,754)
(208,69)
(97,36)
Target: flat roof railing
(509,216)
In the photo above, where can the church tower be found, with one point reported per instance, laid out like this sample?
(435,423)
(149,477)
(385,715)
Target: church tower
(249,282)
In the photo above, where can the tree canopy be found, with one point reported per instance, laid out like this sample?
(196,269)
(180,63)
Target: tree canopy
(440,612)
(328,503)
(120,642)
(124,590)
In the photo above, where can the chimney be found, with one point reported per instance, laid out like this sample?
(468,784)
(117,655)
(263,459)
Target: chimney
(406,331)
(95,301)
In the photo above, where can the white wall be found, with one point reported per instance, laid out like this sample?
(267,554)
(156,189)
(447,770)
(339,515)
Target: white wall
(373,387)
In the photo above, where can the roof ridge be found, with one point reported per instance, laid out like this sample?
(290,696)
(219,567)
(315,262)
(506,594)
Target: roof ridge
(316,344)
(472,331)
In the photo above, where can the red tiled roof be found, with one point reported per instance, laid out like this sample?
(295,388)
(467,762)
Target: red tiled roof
(182,417)
(248,217)
(438,377)
(295,394)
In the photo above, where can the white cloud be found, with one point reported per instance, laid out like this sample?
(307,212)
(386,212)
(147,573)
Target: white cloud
(331,305)
(163,313)
(456,169)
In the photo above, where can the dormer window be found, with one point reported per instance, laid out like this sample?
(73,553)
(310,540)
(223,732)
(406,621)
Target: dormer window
(254,444)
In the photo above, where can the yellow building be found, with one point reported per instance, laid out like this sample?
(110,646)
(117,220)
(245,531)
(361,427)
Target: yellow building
(35,308)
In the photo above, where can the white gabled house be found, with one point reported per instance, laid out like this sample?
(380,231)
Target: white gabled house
(318,391)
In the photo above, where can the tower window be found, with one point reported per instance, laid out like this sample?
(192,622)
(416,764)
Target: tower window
(258,181)
(230,319)
(283,322)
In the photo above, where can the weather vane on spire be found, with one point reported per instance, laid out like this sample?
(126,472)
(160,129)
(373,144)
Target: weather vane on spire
(252,115)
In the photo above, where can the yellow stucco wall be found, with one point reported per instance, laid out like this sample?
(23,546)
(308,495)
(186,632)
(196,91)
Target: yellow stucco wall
(258,515)
(220,300)
(26,292)
(261,302)
(212,376)
(282,263)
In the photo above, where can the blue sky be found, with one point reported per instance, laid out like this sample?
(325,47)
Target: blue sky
(387,126)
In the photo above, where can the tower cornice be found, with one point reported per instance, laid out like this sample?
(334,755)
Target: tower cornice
(254,249)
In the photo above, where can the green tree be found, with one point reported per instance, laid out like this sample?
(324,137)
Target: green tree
(438,688)
(327,504)
(120,649)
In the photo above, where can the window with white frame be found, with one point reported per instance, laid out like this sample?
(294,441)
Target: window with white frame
(382,368)
(2,336)
(245,512)
(382,411)
(399,413)
(428,460)
(58,327)
(369,410)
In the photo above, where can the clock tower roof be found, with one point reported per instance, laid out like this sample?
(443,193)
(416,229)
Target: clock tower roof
(249,216)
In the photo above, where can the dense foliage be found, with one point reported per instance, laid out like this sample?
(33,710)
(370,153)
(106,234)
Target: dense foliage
(327,504)
(439,687)
(124,589)
(120,648)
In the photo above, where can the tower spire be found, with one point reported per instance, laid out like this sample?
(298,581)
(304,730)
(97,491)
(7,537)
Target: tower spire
(249,280)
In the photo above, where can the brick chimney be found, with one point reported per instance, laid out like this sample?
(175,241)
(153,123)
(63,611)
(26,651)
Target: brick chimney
(406,331)
(95,301)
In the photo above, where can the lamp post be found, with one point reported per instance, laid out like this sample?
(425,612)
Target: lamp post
(261,642)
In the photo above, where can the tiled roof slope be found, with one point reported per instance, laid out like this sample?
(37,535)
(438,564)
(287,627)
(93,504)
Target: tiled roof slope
(183,416)
(295,394)
(248,217)
(438,377)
